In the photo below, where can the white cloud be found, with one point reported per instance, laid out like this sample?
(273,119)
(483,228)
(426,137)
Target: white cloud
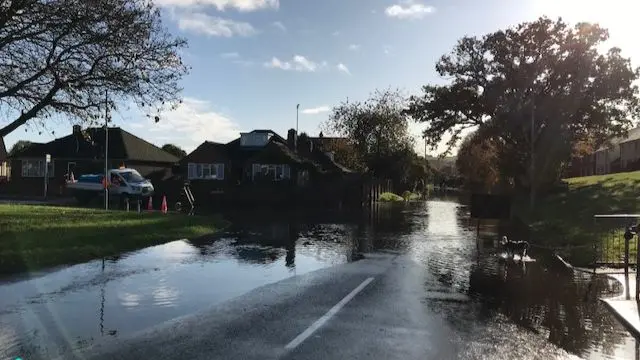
(336,33)
(298,63)
(304,64)
(316,110)
(230,55)
(221,5)
(275,63)
(409,10)
(354,47)
(279,25)
(201,23)
(343,68)
(193,122)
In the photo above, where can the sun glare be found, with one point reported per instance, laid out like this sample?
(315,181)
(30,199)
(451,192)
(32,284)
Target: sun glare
(618,16)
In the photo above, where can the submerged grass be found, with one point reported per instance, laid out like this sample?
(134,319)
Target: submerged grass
(35,237)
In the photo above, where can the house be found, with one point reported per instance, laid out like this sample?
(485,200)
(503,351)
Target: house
(619,154)
(630,151)
(262,166)
(4,165)
(82,152)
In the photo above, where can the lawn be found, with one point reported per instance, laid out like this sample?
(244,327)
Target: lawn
(567,219)
(36,237)
(406,196)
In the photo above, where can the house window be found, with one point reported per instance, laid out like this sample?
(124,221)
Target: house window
(254,139)
(35,168)
(206,171)
(277,172)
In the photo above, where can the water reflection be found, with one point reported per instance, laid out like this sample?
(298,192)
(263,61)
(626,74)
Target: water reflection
(529,307)
(542,298)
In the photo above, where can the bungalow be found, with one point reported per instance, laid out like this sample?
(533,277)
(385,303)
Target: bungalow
(4,166)
(82,152)
(263,166)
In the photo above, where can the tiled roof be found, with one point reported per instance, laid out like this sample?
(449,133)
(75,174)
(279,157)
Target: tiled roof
(89,144)
(206,152)
(275,150)
(3,150)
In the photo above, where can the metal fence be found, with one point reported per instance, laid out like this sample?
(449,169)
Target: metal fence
(616,240)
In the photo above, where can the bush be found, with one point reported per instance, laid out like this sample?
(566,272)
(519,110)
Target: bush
(390,197)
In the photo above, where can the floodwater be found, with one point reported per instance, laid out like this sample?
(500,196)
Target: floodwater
(532,305)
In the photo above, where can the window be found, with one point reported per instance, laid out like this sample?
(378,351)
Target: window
(206,171)
(271,171)
(254,139)
(35,168)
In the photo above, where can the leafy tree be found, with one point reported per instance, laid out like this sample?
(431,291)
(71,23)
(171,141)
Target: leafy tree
(64,56)
(477,163)
(542,73)
(174,150)
(19,146)
(344,153)
(377,129)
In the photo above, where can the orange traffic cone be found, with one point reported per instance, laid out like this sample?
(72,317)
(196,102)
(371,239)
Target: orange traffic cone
(164,204)
(150,204)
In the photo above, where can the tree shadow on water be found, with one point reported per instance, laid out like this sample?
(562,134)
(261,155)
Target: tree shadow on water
(559,305)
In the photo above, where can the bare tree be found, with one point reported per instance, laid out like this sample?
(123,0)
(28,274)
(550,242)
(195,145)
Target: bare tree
(63,56)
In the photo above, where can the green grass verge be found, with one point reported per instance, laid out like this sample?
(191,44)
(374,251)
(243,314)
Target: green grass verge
(390,197)
(36,237)
(566,220)
(411,196)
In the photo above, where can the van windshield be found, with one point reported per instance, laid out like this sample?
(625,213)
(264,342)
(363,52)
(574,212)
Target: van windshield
(132,176)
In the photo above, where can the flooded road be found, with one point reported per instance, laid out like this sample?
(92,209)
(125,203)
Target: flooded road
(496,309)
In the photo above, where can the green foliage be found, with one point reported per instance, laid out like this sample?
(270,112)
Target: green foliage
(410,196)
(19,146)
(565,220)
(379,142)
(544,70)
(34,237)
(174,150)
(390,197)
(62,57)
(477,163)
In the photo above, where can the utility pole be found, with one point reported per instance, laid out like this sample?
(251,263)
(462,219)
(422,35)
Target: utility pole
(425,149)
(106,149)
(297,112)
(532,191)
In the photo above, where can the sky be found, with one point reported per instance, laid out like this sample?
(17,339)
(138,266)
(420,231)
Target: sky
(253,61)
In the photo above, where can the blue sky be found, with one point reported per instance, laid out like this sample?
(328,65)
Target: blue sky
(254,60)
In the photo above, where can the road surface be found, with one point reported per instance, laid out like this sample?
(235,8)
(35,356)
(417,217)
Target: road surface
(371,309)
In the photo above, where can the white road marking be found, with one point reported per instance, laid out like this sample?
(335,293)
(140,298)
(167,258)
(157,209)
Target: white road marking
(316,325)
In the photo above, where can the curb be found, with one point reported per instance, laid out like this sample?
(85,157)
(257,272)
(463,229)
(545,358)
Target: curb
(627,325)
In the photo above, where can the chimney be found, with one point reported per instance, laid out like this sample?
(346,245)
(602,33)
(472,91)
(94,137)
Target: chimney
(292,139)
(77,129)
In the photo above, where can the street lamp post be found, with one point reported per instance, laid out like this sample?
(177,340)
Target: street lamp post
(297,112)
(106,150)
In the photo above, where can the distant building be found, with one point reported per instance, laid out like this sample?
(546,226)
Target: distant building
(263,166)
(82,152)
(4,164)
(619,154)
(630,151)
